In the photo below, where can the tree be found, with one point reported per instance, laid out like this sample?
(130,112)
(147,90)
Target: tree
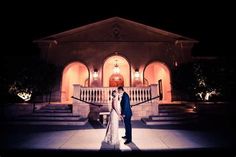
(204,88)
(27,76)
(206,80)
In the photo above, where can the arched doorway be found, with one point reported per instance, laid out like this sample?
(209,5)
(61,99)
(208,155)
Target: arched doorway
(116,71)
(156,71)
(74,73)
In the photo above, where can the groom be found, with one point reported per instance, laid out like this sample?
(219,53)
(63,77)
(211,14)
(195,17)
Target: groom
(126,113)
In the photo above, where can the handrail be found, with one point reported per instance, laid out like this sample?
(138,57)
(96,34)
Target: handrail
(102,105)
(87,102)
(145,101)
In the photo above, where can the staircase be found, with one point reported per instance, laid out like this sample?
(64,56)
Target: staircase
(173,114)
(51,114)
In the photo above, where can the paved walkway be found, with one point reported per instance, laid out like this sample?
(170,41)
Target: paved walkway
(90,137)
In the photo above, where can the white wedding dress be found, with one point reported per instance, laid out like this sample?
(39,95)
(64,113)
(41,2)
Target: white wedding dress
(112,135)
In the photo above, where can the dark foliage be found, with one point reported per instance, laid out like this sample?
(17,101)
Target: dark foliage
(205,76)
(25,73)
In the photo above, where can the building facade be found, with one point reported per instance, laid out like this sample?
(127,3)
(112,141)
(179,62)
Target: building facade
(115,52)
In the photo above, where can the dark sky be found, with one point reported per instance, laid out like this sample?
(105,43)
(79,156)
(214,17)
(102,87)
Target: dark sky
(211,24)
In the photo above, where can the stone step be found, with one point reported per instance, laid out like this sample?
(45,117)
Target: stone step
(147,121)
(49,118)
(170,106)
(176,117)
(81,121)
(59,104)
(52,111)
(168,117)
(174,106)
(179,113)
(51,114)
(170,110)
(55,108)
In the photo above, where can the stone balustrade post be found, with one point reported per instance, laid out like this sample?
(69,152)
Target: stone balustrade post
(76,92)
(79,108)
(154,93)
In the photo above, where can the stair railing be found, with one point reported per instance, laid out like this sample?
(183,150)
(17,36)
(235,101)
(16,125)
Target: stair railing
(145,101)
(100,105)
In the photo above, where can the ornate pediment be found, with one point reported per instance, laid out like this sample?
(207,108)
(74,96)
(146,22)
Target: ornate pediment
(116,30)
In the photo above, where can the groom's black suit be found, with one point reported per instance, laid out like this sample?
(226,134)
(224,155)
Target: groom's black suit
(126,110)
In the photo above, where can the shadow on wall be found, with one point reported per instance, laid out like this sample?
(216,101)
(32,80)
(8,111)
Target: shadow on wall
(93,112)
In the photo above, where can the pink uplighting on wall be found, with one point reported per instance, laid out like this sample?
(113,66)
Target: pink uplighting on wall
(156,71)
(74,73)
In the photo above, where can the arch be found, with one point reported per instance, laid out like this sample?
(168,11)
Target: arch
(108,66)
(74,73)
(156,71)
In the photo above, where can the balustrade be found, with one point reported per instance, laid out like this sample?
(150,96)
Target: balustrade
(103,94)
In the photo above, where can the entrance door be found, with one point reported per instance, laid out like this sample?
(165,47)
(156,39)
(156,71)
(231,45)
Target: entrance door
(116,80)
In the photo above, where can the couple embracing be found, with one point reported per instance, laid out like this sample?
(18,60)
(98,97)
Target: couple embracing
(120,109)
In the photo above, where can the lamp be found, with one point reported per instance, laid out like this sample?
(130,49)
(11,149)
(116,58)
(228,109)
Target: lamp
(116,68)
(176,63)
(95,74)
(25,95)
(136,74)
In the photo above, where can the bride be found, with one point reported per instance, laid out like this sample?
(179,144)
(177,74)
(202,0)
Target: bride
(112,136)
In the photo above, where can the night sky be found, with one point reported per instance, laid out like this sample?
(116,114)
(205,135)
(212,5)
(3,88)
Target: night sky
(210,24)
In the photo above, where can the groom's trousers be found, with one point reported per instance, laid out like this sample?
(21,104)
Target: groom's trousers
(128,128)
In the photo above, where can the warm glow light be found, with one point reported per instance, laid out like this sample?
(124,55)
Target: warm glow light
(136,74)
(116,69)
(95,75)
(25,96)
(74,73)
(158,71)
(205,96)
(116,78)
(176,63)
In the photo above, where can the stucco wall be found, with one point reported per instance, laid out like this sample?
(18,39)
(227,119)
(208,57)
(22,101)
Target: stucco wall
(94,54)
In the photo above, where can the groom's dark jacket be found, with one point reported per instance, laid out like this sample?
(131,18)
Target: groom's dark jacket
(125,105)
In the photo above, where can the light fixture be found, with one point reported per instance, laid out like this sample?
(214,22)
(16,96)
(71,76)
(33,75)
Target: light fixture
(176,63)
(25,95)
(95,74)
(136,74)
(116,68)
